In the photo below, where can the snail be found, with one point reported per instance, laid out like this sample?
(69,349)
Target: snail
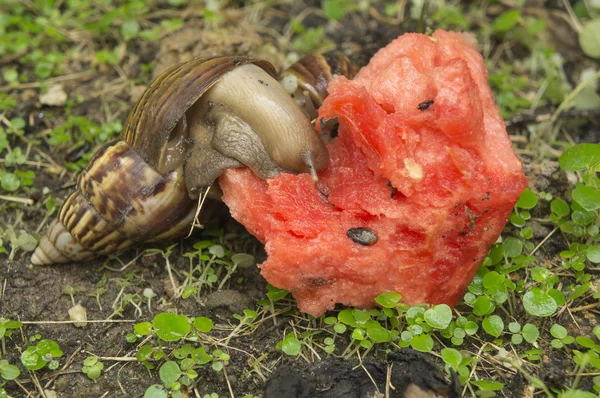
(195,120)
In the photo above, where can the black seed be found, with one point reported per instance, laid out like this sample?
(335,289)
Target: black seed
(394,189)
(334,130)
(362,236)
(425,105)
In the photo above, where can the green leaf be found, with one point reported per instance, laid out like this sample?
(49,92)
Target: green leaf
(589,38)
(583,218)
(169,373)
(585,341)
(488,385)
(345,316)
(527,200)
(388,299)
(275,293)
(517,220)
(558,331)
(155,391)
(483,306)
(203,324)
(493,325)
(578,394)
(530,333)
(471,328)
(493,281)
(200,356)
(514,327)
(558,296)
(333,9)
(130,29)
(506,21)
(512,247)
(11,76)
(171,327)
(243,260)
(47,348)
(143,353)
(10,182)
(94,372)
(291,345)
(439,316)
(452,357)
(539,303)
(516,339)
(27,242)
(593,254)
(580,157)
(377,333)
(358,334)
(90,361)
(361,316)
(579,291)
(31,359)
(556,343)
(143,328)
(422,342)
(217,251)
(560,207)
(596,331)
(8,372)
(340,328)
(540,274)
(587,197)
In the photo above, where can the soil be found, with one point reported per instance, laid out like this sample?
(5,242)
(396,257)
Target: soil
(407,371)
(35,294)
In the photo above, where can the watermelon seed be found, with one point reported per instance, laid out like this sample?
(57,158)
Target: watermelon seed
(394,189)
(334,130)
(425,105)
(362,236)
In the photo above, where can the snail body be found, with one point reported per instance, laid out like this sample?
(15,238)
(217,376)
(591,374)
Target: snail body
(195,120)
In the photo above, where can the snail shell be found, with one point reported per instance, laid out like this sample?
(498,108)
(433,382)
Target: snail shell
(307,79)
(195,120)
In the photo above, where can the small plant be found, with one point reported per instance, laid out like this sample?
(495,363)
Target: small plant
(209,263)
(177,364)
(8,372)
(561,336)
(45,353)
(92,367)
(584,159)
(7,327)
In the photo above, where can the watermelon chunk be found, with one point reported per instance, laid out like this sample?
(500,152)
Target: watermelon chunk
(421,182)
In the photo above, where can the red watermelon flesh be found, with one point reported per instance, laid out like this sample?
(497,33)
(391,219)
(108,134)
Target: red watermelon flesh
(436,183)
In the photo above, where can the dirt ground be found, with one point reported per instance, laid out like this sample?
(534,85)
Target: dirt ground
(35,295)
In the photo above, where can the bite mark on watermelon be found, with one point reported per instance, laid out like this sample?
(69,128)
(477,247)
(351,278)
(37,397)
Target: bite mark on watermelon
(436,183)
